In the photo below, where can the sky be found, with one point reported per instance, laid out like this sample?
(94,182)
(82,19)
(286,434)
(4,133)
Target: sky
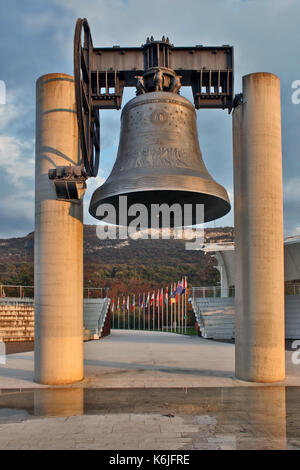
(36,37)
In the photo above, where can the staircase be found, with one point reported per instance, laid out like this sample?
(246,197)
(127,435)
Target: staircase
(215,317)
(94,316)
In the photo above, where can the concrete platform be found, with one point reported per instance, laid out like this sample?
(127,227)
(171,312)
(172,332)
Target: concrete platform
(135,359)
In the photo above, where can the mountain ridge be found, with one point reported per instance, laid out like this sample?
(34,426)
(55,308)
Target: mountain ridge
(130,265)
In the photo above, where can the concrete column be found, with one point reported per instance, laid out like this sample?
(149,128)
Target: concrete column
(258,214)
(58,239)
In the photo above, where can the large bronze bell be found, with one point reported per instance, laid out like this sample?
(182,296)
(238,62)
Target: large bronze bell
(159,158)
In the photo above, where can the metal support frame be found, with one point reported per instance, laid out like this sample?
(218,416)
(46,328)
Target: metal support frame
(101,73)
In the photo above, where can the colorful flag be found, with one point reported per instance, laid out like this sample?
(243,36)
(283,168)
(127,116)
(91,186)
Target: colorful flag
(184,284)
(179,288)
(157,299)
(166,296)
(161,297)
(175,292)
(123,303)
(118,305)
(152,298)
(148,299)
(133,302)
(127,305)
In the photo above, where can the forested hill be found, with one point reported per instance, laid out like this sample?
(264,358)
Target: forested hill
(123,265)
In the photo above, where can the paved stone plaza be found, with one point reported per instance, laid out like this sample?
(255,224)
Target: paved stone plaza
(146,390)
(147,359)
(151,418)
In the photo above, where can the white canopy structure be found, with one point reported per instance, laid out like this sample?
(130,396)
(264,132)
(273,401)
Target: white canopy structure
(224,254)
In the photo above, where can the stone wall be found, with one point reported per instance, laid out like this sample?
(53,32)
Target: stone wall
(16,320)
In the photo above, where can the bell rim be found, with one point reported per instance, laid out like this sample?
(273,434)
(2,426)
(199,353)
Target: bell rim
(213,196)
(166,181)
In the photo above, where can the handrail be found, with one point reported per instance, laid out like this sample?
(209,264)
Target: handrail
(102,317)
(21,292)
(212,291)
(218,291)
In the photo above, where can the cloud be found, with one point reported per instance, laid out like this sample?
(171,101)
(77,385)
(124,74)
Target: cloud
(291,191)
(16,158)
(92,185)
(8,114)
(17,197)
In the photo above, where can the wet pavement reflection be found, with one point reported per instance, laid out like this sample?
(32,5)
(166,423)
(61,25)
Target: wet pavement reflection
(196,418)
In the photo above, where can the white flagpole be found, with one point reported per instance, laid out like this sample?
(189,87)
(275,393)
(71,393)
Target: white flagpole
(139,311)
(158,323)
(144,308)
(149,311)
(171,305)
(175,315)
(133,308)
(167,307)
(128,309)
(182,308)
(162,308)
(185,302)
(153,323)
(178,312)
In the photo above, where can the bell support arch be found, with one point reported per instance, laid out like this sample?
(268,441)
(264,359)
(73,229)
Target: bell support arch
(101,73)
(100,76)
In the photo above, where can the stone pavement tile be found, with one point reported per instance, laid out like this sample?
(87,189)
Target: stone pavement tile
(137,427)
(228,446)
(119,417)
(170,435)
(260,444)
(230,428)
(223,437)
(106,429)
(180,428)
(294,442)
(201,433)
(206,446)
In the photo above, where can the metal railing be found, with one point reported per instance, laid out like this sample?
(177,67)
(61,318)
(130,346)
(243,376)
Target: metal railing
(217,291)
(95,292)
(19,292)
(212,291)
(27,292)
(103,315)
(292,289)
